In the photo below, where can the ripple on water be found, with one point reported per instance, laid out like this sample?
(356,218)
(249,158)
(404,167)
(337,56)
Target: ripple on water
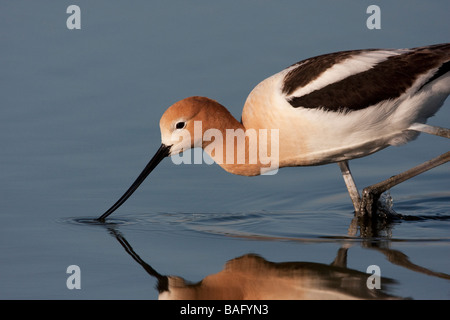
(282,225)
(89,221)
(268,225)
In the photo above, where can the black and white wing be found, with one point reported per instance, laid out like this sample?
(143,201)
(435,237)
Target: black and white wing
(353,80)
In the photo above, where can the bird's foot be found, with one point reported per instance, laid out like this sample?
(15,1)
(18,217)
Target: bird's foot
(375,204)
(369,202)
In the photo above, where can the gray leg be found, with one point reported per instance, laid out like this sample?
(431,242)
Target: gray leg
(367,205)
(351,186)
(437,131)
(370,195)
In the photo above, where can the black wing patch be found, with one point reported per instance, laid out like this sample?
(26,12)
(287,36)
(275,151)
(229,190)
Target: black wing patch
(310,69)
(386,80)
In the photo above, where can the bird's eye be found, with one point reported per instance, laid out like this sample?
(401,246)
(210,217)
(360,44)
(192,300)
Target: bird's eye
(180,125)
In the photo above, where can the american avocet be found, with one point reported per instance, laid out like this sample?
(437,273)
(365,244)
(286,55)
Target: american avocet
(330,108)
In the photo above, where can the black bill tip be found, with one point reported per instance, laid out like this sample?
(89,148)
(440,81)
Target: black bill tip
(162,152)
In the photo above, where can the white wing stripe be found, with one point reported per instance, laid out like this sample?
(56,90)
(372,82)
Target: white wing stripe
(350,66)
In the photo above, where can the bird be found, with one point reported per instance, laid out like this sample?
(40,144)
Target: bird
(331,108)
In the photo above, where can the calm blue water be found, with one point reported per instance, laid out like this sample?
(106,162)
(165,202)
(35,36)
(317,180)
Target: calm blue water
(79,120)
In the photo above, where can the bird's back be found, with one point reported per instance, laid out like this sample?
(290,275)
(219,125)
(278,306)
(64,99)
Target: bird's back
(350,104)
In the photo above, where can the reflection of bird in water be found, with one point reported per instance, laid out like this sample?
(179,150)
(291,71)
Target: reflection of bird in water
(252,277)
(327,109)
